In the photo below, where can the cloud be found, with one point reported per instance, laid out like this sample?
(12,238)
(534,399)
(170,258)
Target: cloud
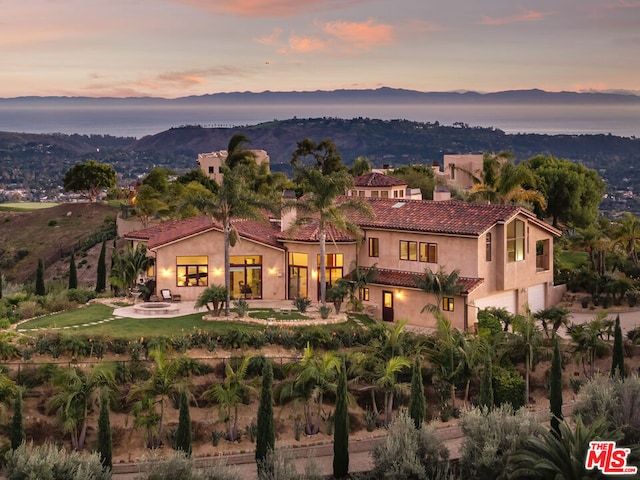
(360,35)
(622,4)
(527,16)
(304,44)
(273,39)
(269,8)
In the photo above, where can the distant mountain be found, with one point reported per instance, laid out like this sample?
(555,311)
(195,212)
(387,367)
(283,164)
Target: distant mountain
(384,95)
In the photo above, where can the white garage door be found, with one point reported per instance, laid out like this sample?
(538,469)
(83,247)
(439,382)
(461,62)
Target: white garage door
(506,300)
(537,298)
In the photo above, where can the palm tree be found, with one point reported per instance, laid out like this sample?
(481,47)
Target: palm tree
(501,181)
(441,284)
(230,393)
(127,265)
(75,395)
(313,376)
(387,382)
(588,341)
(527,339)
(234,201)
(560,456)
(164,382)
(445,353)
(627,234)
(319,204)
(556,315)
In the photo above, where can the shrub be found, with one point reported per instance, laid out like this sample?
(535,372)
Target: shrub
(491,436)
(508,387)
(81,295)
(29,309)
(302,303)
(407,452)
(324,310)
(53,463)
(242,306)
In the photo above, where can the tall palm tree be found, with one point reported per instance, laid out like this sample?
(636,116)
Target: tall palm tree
(527,340)
(165,381)
(319,204)
(75,395)
(127,265)
(230,393)
(314,375)
(445,353)
(441,284)
(387,382)
(234,201)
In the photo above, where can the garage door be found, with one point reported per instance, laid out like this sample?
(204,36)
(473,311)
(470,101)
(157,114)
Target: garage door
(537,298)
(506,300)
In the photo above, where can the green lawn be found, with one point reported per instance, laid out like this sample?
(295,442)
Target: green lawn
(25,206)
(79,316)
(573,259)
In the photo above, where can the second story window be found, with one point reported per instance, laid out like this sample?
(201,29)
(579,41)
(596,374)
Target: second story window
(374,247)
(408,250)
(447,304)
(487,242)
(429,252)
(515,241)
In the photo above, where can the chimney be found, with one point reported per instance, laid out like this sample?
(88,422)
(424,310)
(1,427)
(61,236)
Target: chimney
(441,193)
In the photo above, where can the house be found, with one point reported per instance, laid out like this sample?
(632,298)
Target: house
(503,253)
(211,163)
(380,185)
(459,170)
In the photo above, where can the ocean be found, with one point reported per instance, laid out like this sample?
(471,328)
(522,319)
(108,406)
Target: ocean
(139,121)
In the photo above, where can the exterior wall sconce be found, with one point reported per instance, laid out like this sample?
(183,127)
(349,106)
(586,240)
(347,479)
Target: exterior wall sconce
(314,274)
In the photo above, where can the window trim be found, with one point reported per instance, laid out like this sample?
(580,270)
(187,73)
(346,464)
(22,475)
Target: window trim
(516,243)
(428,258)
(409,257)
(374,247)
(448,304)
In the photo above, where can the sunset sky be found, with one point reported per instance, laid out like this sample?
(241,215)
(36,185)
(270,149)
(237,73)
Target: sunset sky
(174,48)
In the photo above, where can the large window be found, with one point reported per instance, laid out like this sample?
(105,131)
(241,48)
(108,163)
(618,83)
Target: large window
(447,304)
(542,255)
(246,276)
(429,252)
(333,271)
(408,250)
(192,271)
(374,247)
(515,241)
(298,275)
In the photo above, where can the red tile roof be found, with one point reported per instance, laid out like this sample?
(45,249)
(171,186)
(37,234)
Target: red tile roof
(376,179)
(311,233)
(397,278)
(172,231)
(445,217)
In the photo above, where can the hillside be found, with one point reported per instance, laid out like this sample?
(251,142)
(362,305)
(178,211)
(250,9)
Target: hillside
(51,234)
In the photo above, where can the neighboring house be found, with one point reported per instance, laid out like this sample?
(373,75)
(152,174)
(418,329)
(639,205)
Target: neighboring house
(504,255)
(211,163)
(380,185)
(459,170)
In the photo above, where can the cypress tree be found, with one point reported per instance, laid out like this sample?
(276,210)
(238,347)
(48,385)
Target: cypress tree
(617,364)
(40,288)
(16,430)
(266,439)
(101,281)
(555,389)
(73,272)
(417,400)
(105,441)
(341,427)
(183,434)
(486,382)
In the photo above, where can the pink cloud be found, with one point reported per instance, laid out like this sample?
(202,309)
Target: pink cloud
(623,4)
(528,16)
(268,8)
(303,44)
(272,39)
(360,35)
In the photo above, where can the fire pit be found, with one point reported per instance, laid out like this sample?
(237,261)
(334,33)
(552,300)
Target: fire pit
(155,308)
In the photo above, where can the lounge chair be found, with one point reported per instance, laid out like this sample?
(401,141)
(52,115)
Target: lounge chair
(167,296)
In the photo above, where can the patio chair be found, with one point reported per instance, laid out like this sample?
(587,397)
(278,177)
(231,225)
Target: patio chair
(167,296)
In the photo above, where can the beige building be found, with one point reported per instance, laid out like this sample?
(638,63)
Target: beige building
(381,185)
(211,163)
(459,170)
(503,254)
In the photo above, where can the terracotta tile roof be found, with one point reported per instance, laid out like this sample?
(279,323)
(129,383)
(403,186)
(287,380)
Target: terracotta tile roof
(397,278)
(446,217)
(310,233)
(172,231)
(376,179)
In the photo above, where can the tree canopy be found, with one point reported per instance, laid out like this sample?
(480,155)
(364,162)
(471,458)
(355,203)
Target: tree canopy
(89,178)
